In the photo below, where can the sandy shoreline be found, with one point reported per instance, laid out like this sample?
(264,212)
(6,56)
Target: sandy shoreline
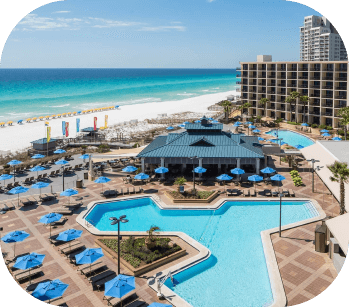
(18,137)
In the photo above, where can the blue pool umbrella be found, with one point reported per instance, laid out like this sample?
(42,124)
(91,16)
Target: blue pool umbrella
(40,185)
(129,169)
(200,170)
(161,170)
(260,139)
(267,170)
(324,131)
(197,121)
(38,156)
(120,286)
(277,177)
(69,192)
(248,123)
(305,125)
(251,126)
(61,162)
(159,305)
(14,162)
(102,180)
(85,156)
(299,146)
(37,169)
(5,177)
(59,151)
(238,123)
(336,139)
(210,118)
(69,235)
(326,134)
(256,131)
(181,126)
(50,218)
(14,237)
(89,256)
(29,261)
(237,171)
(224,177)
(169,128)
(18,190)
(255,178)
(215,122)
(49,290)
(141,176)
(186,123)
(79,112)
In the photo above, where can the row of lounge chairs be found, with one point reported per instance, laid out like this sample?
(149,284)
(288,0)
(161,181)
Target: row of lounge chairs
(122,191)
(266,192)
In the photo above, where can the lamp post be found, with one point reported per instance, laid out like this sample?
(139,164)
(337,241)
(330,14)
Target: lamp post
(192,158)
(312,170)
(281,196)
(114,222)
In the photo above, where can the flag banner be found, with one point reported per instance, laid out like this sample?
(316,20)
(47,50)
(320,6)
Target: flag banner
(48,134)
(63,127)
(78,125)
(95,124)
(66,129)
(106,122)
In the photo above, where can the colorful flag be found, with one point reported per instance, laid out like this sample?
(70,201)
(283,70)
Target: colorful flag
(66,129)
(95,124)
(78,125)
(63,127)
(48,134)
(106,122)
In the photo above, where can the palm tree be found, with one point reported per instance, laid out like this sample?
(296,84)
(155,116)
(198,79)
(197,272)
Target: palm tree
(264,102)
(292,100)
(344,114)
(340,173)
(246,105)
(304,100)
(226,104)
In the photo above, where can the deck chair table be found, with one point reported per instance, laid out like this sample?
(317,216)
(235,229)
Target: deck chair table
(246,192)
(114,301)
(24,275)
(100,276)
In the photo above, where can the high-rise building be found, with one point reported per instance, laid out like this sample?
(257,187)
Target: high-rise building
(325,83)
(320,41)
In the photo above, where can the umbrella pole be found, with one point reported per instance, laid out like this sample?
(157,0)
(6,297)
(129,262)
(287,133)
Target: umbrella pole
(29,278)
(50,230)
(14,251)
(18,200)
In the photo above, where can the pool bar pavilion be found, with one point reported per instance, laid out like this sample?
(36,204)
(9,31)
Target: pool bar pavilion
(203,144)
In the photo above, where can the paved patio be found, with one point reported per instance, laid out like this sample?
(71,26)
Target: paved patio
(305,273)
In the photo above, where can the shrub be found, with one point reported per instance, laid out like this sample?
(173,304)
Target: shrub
(322,126)
(314,126)
(297,181)
(294,173)
(329,128)
(180,181)
(136,145)
(340,132)
(103,148)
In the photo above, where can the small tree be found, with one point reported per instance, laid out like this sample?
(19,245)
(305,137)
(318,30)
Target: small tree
(304,100)
(264,102)
(344,114)
(340,173)
(246,105)
(226,104)
(292,100)
(150,241)
(180,181)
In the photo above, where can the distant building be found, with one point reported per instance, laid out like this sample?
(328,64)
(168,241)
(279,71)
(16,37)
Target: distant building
(320,41)
(41,146)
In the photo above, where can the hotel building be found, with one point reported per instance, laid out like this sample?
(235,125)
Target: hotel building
(320,41)
(325,83)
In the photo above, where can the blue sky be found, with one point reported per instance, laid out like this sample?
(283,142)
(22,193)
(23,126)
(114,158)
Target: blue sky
(155,34)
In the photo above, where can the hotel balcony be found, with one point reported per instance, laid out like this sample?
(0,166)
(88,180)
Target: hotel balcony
(341,97)
(342,69)
(303,86)
(239,76)
(342,78)
(341,88)
(315,69)
(238,68)
(238,82)
(327,78)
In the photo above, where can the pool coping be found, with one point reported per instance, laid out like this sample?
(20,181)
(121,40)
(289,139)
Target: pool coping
(277,287)
(285,129)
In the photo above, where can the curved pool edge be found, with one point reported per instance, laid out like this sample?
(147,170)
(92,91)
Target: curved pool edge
(285,129)
(277,287)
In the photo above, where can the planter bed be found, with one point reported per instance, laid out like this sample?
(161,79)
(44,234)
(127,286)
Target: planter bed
(191,200)
(142,267)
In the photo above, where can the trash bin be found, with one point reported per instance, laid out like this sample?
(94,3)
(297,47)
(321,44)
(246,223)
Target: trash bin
(79,183)
(320,238)
(86,175)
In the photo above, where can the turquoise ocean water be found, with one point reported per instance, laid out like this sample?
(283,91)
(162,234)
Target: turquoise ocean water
(34,92)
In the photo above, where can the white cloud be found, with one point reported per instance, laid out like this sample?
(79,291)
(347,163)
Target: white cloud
(61,12)
(33,22)
(210,1)
(163,28)
(107,23)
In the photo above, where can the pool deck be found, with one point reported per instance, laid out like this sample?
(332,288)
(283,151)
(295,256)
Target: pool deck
(304,272)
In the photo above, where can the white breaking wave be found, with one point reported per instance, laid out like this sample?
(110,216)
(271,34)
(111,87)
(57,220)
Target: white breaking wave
(186,94)
(59,106)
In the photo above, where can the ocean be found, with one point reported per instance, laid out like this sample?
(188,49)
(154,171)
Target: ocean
(39,92)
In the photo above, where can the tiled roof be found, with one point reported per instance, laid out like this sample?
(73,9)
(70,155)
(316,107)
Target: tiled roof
(43,141)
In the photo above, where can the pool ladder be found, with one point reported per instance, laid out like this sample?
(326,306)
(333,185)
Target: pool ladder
(207,225)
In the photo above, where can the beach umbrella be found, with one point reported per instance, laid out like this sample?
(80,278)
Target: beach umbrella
(89,256)
(102,180)
(305,125)
(129,169)
(69,193)
(5,177)
(326,134)
(197,121)
(181,126)
(237,171)
(50,218)
(238,123)
(61,162)
(251,126)
(299,146)
(255,178)
(141,176)
(161,170)
(18,190)
(224,177)
(120,286)
(336,138)
(199,170)
(59,151)
(20,121)
(38,156)
(324,131)
(69,235)
(116,107)
(256,131)
(14,163)
(29,261)
(268,170)
(248,123)
(40,185)
(49,290)
(84,156)
(37,169)
(277,177)
(159,305)
(14,237)
(169,128)
(260,139)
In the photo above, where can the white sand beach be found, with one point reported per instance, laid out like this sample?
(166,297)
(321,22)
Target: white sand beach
(19,137)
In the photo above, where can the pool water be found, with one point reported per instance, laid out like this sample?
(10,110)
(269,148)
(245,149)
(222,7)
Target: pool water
(236,272)
(292,138)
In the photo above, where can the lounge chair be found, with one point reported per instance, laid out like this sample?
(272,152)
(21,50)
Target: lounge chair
(9,186)
(16,184)
(59,223)
(8,206)
(39,177)
(73,205)
(28,202)
(291,192)
(267,193)
(45,198)
(31,179)
(127,299)
(57,172)
(24,275)
(75,246)
(91,270)
(285,192)
(27,181)
(246,192)
(100,283)
(275,192)
(44,176)
(64,211)
(100,276)
(52,195)
(252,192)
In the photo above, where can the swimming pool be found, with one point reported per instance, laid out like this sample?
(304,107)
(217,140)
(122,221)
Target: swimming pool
(236,273)
(292,138)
